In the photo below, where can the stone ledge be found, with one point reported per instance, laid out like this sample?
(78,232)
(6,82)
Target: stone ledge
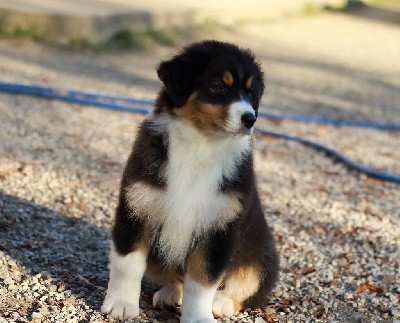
(54,20)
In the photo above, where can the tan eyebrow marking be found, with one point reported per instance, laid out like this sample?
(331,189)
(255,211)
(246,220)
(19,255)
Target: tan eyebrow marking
(227,78)
(249,82)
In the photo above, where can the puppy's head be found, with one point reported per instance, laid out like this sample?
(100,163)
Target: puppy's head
(215,86)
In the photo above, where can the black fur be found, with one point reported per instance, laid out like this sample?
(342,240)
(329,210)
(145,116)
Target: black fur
(149,155)
(220,249)
(128,229)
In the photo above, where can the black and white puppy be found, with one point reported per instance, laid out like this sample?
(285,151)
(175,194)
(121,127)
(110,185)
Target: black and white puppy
(189,217)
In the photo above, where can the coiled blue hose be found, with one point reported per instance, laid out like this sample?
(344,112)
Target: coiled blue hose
(135,105)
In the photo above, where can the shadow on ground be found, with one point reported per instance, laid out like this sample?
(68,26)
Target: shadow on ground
(68,250)
(82,67)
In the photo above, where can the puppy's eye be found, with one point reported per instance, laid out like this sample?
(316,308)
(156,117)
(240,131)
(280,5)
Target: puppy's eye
(219,88)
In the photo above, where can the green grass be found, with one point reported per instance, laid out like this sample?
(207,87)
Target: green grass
(350,5)
(386,4)
(143,38)
(127,39)
(310,8)
(123,39)
(23,32)
(28,33)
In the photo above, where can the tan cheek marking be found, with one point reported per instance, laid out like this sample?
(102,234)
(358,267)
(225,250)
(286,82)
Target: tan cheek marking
(203,116)
(215,114)
(242,283)
(227,78)
(249,82)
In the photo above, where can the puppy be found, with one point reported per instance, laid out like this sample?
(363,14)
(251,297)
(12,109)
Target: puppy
(189,217)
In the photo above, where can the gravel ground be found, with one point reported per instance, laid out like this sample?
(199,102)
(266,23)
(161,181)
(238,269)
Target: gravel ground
(338,232)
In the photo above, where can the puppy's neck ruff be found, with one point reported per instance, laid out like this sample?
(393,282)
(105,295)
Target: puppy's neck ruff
(193,203)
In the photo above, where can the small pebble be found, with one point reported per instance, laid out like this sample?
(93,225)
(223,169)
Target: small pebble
(52,288)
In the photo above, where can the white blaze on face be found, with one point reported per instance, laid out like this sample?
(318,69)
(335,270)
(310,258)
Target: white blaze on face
(236,110)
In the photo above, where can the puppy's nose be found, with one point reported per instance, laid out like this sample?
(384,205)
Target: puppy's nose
(248,119)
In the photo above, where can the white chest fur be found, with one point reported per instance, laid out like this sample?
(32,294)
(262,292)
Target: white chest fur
(192,202)
(196,167)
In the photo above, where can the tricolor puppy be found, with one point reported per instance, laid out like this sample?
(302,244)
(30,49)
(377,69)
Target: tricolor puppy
(189,217)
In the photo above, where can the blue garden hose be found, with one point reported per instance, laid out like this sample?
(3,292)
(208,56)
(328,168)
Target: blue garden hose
(331,121)
(77,97)
(136,105)
(384,176)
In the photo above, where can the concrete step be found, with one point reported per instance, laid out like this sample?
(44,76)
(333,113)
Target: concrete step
(97,20)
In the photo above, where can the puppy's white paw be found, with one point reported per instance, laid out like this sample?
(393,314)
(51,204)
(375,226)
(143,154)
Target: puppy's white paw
(223,306)
(120,309)
(168,296)
(190,319)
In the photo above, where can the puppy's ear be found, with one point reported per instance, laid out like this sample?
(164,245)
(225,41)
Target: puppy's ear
(178,77)
(181,72)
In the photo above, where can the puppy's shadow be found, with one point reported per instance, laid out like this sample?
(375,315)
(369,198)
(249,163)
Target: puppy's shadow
(72,252)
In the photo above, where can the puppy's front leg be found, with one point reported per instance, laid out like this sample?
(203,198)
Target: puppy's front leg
(123,292)
(128,256)
(197,302)
(204,272)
